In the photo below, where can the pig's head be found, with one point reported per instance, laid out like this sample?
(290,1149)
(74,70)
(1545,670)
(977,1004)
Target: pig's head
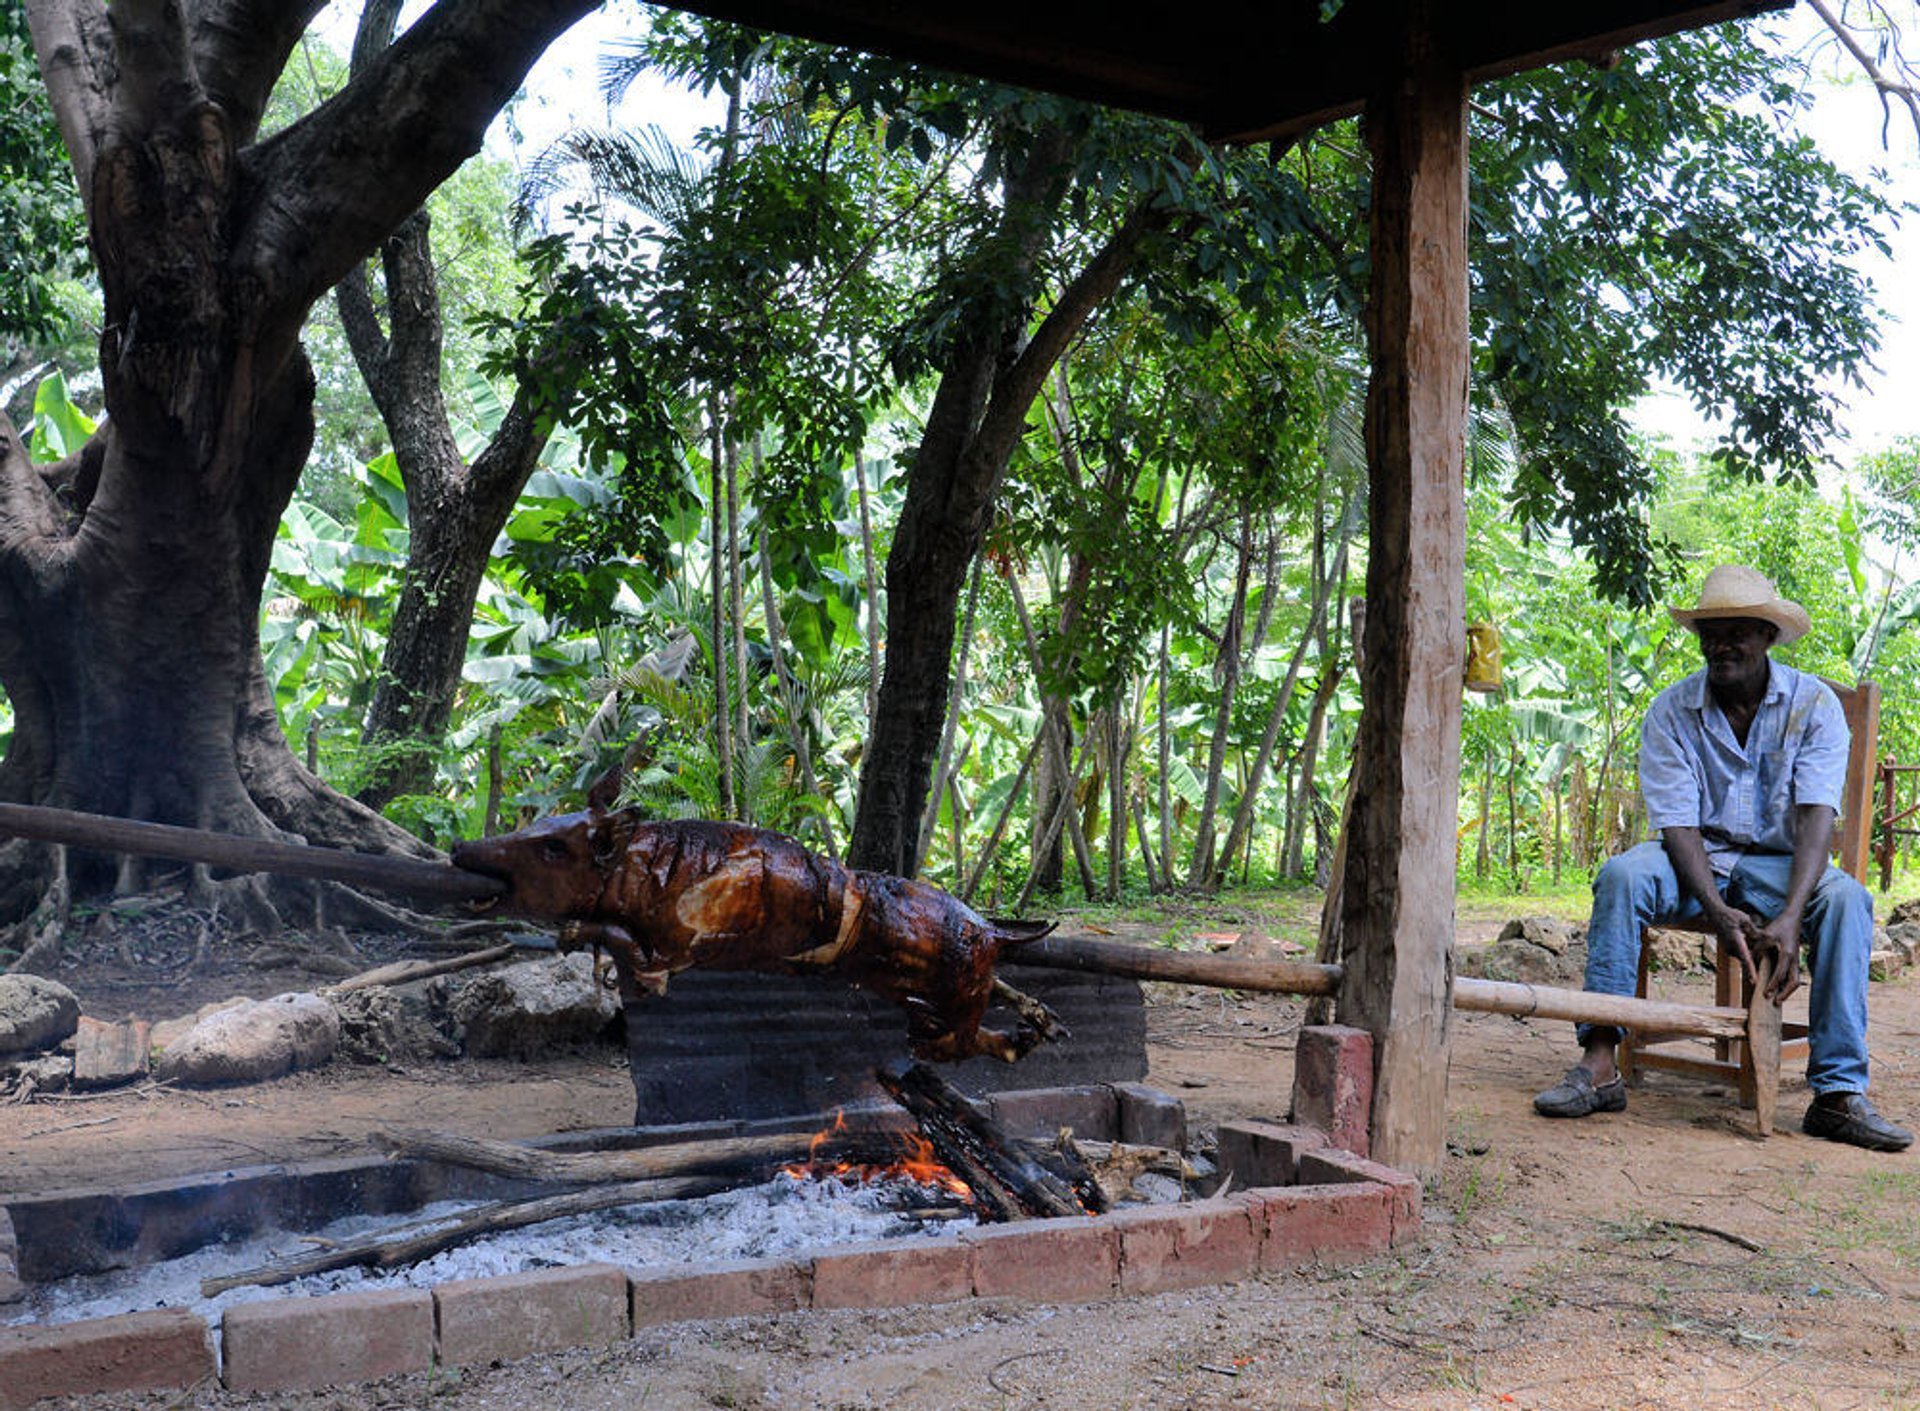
(558,867)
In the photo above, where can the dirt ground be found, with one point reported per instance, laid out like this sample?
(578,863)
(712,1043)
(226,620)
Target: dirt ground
(1663,1257)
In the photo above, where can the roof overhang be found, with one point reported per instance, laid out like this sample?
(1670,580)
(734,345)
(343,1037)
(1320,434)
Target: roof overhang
(1238,70)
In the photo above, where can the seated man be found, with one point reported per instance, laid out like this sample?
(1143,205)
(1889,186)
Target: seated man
(1742,765)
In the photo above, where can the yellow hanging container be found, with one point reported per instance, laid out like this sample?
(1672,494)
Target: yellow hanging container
(1483,657)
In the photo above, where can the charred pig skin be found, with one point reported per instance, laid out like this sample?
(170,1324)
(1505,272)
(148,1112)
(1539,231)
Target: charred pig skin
(662,897)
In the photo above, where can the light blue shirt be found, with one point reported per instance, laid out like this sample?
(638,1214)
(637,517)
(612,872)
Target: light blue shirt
(1695,774)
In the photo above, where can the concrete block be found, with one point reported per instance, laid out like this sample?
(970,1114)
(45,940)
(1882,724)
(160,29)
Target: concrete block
(164,1350)
(516,1315)
(1333,1084)
(1265,1153)
(1319,1224)
(303,1344)
(1149,1117)
(105,1054)
(1069,1260)
(742,1289)
(892,1274)
(1185,1246)
(1403,1200)
(1039,1113)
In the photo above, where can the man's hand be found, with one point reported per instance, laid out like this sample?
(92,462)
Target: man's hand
(1782,936)
(1739,931)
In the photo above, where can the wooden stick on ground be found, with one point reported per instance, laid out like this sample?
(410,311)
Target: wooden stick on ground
(424,1239)
(1763,1042)
(402,972)
(643,1163)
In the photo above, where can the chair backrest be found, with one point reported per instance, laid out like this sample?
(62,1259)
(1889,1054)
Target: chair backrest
(1861,702)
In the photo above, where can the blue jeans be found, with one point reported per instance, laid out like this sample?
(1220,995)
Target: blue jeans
(1836,937)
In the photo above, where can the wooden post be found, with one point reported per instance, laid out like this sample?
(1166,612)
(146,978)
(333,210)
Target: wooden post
(1398,897)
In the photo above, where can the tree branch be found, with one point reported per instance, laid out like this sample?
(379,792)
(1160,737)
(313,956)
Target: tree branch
(1015,389)
(72,42)
(388,139)
(1888,88)
(240,47)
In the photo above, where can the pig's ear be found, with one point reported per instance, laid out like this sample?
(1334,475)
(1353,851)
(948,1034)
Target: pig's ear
(604,792)
(608,835)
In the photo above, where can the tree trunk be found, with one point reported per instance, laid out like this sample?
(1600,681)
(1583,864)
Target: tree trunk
(1227,672)
(129,605)
(979,411)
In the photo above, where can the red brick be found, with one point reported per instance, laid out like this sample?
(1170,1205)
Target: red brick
(1067,1260)
(1326,1224)
(1265,1153)
(303,1344)
(1333,1084)
(162,1350)
(1039,1113)
(892,1274)
(746,1288)
(1185,1246)
(1403,1203)
(516,1315)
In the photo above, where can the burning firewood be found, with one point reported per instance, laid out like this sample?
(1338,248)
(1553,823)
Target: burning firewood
(662,897)
(1011,1178)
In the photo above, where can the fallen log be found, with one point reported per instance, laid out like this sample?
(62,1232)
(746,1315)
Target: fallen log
(580,1168)
(437,881)
(426,1238)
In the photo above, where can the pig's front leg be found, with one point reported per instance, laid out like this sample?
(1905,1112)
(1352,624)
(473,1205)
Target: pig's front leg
(629,958)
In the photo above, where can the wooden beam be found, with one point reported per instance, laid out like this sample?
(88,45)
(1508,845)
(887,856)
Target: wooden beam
(416,877)
(1398,893)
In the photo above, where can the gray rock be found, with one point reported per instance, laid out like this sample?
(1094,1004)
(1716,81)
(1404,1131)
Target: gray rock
(1680,950)
(1522,962)
(253,1041)
(51,1074)
(1904,937)
(35,1013)
(1547,932)
(533,1007)
(399,1024)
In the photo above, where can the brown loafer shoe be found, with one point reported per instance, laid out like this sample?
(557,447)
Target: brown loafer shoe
(1850,1118)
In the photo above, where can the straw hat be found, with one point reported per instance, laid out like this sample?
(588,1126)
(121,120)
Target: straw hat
(1733,590)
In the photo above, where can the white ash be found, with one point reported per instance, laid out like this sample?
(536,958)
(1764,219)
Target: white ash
(777,1217)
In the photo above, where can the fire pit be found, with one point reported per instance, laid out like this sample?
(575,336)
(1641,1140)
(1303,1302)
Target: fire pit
(1293,1199)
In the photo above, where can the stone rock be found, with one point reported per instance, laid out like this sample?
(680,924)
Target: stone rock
(533,1007)
(35,1013)
(1907,913)
(395,1024)
(51,1074)
(1533,950)
(169,1032)
(1901,936)
(1680,950)
(1547,932)
(256,1040)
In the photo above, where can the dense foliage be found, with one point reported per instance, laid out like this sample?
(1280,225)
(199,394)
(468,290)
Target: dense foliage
(736,350)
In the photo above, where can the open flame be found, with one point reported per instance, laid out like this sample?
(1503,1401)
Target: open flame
(915,1162)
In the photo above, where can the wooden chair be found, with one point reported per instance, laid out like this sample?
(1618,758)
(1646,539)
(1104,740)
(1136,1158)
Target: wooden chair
(1734,1060)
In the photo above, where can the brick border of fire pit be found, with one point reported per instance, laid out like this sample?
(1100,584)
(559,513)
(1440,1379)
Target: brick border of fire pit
(1306,1200)
(1347,1208)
